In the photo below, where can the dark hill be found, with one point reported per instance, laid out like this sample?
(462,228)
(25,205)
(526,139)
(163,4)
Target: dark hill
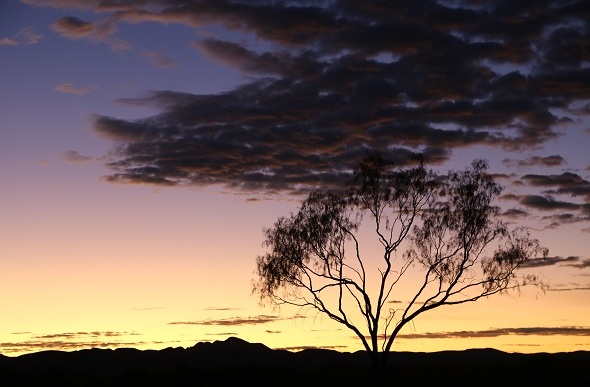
(235,362)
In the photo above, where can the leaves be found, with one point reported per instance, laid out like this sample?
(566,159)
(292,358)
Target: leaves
(314,258)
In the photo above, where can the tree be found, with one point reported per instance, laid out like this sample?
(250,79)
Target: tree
(447,226)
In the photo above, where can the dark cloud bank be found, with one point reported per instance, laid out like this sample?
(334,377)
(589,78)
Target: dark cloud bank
(345,77)
(342,78)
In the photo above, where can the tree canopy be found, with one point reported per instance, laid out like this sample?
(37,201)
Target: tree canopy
(446,226)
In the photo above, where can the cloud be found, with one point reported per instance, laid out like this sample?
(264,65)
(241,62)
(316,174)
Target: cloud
(569,288)
(514,213)
(234,321)
(69,88)
(70,341)
(25,37)
(98,32)
(529,331)
(328,81)
(8,42)
(582,265)
(546,203)
(72,27)
(60,345)
(555,192)
(549,261)
(65,4)
(158,59)
(566,184)
(548,161)
(75,335)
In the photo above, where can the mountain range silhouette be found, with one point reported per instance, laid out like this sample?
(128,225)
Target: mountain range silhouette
(235,362)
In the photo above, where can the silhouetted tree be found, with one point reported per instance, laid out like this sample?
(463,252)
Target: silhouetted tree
(446,226)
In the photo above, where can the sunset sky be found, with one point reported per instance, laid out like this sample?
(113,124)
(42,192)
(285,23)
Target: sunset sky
(145,144)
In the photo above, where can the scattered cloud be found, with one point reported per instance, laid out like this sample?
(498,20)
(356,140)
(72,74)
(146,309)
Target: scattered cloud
(25,37)
(234,321)
(158,59)
(556,193)
(69,88)
(529,331)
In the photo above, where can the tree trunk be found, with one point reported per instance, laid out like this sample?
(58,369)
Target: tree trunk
(377,368)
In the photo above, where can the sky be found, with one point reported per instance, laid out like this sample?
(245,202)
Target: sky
(144,145)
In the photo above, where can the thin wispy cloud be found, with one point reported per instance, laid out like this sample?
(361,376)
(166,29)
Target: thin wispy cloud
(234,321)
(101,31)
(527,331)
(67,341)
(70,88)
(76,335)
(547,161)
(73,27)
(582,264)
(570,289)
(25,37)
(75,157)
(8,42)
(549,261)
(218,309)
(158,59)
(514,213)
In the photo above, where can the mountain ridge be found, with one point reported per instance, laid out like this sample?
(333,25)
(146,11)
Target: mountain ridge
(235,361)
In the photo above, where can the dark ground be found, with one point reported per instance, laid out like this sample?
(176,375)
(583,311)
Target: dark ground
(235,362)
